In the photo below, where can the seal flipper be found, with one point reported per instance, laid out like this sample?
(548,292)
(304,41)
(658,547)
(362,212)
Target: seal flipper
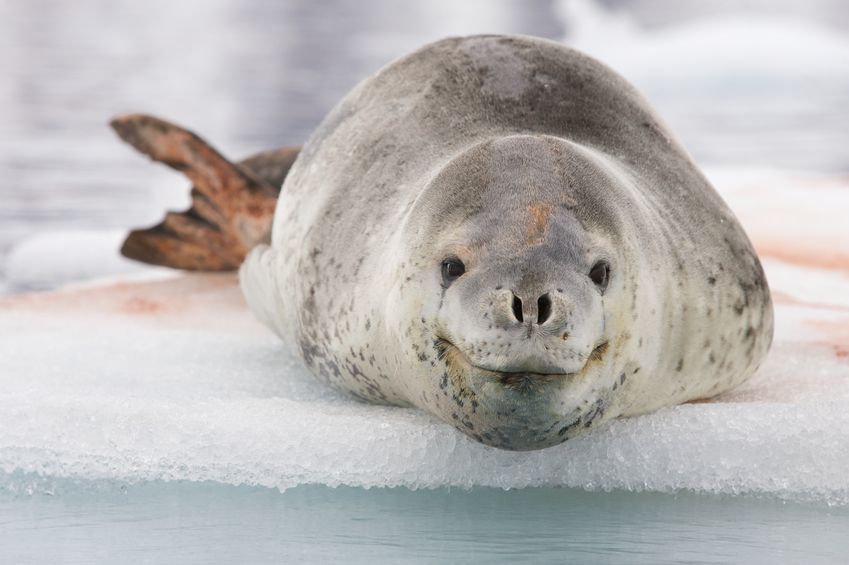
(259,281)
(232,204)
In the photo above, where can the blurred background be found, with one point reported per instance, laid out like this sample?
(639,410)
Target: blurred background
(745,84)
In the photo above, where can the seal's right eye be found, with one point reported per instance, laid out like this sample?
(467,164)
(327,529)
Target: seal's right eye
(452,269)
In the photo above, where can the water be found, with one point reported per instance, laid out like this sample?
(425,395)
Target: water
(208,523)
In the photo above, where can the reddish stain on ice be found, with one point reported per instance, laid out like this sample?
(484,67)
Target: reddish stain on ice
(837,332)
(140,305)
(779,297)
(795,220)
(800,254)
(189,292)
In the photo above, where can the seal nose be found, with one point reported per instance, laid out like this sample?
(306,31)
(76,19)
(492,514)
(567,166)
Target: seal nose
(543,310)
(517,308)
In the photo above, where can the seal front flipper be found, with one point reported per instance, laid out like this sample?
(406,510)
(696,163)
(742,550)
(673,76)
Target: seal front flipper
(259,282)
(232,203)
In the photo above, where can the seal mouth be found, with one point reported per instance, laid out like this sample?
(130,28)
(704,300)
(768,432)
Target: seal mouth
(457,360)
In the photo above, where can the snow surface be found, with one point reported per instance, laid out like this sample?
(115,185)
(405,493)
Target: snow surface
(171,379)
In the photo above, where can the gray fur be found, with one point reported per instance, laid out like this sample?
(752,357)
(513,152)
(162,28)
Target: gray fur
(529,161)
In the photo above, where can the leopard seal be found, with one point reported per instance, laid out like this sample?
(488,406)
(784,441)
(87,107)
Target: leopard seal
(498,230)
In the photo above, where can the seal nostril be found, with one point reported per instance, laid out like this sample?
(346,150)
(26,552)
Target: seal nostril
(543,308)
(517,308)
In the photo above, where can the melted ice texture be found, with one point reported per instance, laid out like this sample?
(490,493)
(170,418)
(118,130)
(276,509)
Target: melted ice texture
(169,378)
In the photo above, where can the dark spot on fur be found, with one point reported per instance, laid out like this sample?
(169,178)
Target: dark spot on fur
(595,412)
(598,352)
(562,431)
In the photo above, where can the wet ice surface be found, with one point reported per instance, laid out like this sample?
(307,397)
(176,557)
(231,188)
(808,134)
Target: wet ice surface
(171,379)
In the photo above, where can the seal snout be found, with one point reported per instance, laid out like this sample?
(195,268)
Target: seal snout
(543,323)
(525,332)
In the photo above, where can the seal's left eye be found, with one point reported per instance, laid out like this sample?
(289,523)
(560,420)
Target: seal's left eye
(452,269)
(600,275)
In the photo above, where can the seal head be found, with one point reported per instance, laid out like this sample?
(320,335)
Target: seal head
(519,274)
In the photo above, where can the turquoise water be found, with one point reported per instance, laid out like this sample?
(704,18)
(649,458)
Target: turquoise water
(210,523)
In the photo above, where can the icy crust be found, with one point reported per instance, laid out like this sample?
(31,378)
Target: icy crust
(173,380)
(141,387)
(110,399)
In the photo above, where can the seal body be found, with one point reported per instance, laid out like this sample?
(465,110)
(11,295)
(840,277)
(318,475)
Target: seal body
(500,231)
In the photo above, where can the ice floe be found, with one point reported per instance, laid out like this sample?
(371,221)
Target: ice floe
(171,379)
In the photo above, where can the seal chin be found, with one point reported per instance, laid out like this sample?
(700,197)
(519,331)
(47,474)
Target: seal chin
(524,381)
(519,410)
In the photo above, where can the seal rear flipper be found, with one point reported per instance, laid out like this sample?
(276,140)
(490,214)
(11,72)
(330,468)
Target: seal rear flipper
(232,204)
